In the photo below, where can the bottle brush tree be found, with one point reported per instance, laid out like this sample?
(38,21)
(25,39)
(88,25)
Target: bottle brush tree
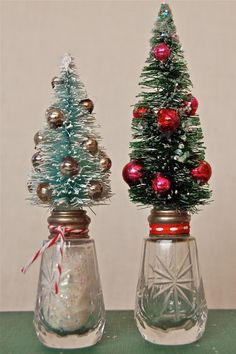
(70,168)
(167,168)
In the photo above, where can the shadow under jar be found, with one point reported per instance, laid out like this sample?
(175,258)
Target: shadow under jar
(75,316)
(170,306)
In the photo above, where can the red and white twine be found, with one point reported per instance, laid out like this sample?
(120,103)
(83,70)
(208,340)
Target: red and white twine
(59,240)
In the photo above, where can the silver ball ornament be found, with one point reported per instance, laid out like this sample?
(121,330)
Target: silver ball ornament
(105,163)
(44,192)
(38,138)
(95,189)
(30,186)
(87,104)
(37,159)
(55,117)
(91,145)
(69,167)
(55,81)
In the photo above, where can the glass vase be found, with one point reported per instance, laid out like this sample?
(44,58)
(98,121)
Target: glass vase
(170,307)
(75,316)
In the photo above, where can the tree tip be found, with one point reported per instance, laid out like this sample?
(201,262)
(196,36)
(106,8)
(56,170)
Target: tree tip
(164,5)
(67,61)
(165,9)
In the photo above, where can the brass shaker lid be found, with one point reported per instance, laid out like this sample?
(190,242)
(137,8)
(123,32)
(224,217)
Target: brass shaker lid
(168,217)
(169,223)
(76,222)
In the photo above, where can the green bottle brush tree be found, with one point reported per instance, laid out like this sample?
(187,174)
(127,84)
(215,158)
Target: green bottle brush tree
(70,167)
(167,168)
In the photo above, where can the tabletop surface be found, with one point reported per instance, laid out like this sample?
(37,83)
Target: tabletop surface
(120,336)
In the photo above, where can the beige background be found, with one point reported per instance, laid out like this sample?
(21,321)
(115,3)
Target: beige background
(110,41)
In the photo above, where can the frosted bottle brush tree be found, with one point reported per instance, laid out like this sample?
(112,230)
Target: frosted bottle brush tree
(70,171)
(167,167)
(70,168)
(168,171)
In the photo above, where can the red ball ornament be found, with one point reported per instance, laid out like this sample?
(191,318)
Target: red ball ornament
(160,184)
(140,112)
(191,105)
(168,120)
(133,172)
(202,173)
(161,52)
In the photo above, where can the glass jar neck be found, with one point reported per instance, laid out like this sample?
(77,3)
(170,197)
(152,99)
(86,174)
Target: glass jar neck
(169,223)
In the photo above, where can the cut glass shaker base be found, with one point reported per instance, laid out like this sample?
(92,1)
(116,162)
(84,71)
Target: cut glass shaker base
(75,317)
(69,341)
(170,303)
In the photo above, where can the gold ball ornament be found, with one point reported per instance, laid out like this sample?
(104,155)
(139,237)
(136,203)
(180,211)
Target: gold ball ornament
(105,164)
(55,81)
(44,192)
(91,145)
(37,159)
(69,167)
(95,189)
(55,117)
(87,104)
(38,138)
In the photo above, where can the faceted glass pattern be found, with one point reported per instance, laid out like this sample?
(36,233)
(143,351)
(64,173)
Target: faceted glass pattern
(170,304)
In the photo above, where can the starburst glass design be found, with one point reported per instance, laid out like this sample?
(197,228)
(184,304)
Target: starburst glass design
(48,268)
(175,282)
(170,295)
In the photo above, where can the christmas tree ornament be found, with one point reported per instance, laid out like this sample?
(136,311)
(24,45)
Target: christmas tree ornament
(30,186)
(170,306)
(160,184)
(133,172)
(163,34)
(55,81)
(168,120)
(69,309)
(38,138)
(161,52)
(202,173)
(44,192)
(55,117)
(37,159)
(95,189)
(87,104)
(105,163)
(191,105)
(140,112)
(69,167)
(91,145)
